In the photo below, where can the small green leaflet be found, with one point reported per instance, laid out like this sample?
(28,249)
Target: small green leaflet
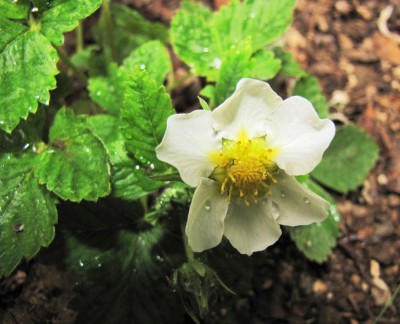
(202,39)
(27,211)
(266,65)
(348,160)
(308,87)
(236,66)
(128,179)
(75,165)
(27,56)
(290,67)
(109,91)
(144,116)
(317,240)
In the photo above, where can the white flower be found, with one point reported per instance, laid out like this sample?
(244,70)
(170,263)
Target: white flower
(243,157)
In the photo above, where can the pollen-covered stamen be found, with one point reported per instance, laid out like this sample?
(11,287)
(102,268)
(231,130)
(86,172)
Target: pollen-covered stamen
(244,168)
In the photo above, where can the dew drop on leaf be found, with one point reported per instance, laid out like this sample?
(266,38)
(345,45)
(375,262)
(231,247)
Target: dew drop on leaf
(17,228)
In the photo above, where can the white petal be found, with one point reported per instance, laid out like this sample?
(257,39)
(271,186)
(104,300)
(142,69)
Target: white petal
(246,109)
(188,140)
(205,225)
(251,228)
(297,204)
(300,136)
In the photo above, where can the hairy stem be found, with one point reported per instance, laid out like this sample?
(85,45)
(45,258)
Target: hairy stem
(106,15)
(79,37)
(68,62)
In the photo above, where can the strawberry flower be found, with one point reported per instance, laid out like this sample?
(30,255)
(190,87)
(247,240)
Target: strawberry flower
(243,157)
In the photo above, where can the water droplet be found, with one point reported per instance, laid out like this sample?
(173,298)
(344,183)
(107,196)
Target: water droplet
(17,228)
(29,108)
(81,263)
(25,146)
(207,205)
(205,50)
(142,66)
(35,9)
(46,102)
(98,93)
(276,211)
(37,96)
(306,200)
(137,167)
(283,194)
(217,63)
(252,14)
(1,122)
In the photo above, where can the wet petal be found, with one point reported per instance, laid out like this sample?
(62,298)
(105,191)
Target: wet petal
(251,228)
(205,225)
(188,140)
(299,135)
(246,109)
(297,204)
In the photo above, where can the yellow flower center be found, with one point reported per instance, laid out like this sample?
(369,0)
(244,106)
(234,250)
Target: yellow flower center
(244,168)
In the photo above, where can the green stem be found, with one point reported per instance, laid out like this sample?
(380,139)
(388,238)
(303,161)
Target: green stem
(188,249)
(106,13)
(388,304)
(79,38)
(68,62)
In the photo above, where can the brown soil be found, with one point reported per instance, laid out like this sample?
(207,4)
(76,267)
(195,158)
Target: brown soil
(355,53)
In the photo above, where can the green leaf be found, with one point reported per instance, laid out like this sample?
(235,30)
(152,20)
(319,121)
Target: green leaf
(239,21)
(144,116)
(266,65)
(9,31)
(75,165)
(27,211)
(128,179)
(152,57)
(203,39)
(308,87)
(290,67)
(317,240)
(90,59)
(348,160)
(236,66)
(28,68)
(14,9)
(109,91)
(63,15)
(193,40)
(122,266)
